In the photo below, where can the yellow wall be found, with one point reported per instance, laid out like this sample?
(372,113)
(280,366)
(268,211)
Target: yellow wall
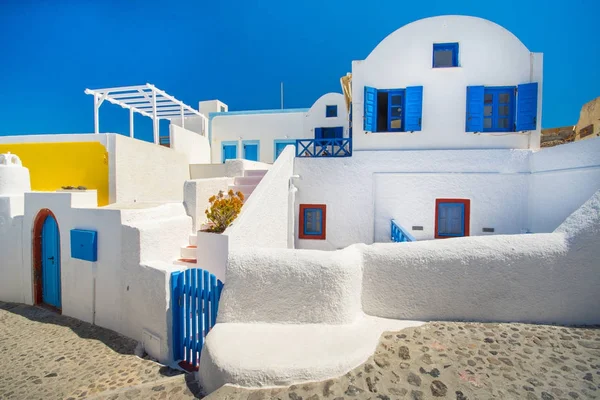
(52,165)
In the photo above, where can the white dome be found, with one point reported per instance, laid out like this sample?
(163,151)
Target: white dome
(14,178)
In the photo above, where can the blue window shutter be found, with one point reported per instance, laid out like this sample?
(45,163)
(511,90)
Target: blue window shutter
(370,112)
(527,96)
(475,108)
(414,108)
(339,132)
(318,133)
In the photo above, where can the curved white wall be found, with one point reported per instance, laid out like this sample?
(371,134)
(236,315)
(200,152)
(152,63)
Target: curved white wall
(317,118)
(14,178)
(488,55)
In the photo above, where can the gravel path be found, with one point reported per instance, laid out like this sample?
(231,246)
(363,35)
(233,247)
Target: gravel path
(47,356)
(462,361)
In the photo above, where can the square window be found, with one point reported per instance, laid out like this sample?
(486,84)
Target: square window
(445,55)
(222,109)
(499,109)
(312,221)
(330,111)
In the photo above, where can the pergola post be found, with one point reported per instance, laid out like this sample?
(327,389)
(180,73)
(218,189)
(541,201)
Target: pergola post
(182,118)
(96,115)
(131,123)
(155,126)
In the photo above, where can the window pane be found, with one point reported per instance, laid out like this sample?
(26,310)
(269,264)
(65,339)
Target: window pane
(503,111)
(503,123)
(396,100)
(396,111)
(442,58)
(396,124)
(487,123)
(504,98)
(487,111)
(488,98)
(312,221)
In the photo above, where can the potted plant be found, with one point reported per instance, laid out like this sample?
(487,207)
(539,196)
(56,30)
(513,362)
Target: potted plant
(223,210)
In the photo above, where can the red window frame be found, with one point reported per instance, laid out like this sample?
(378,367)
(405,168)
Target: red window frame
(467,205)
(323,209)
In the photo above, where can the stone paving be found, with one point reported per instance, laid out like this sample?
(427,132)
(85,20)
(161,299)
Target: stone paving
(47,356)
(446,360)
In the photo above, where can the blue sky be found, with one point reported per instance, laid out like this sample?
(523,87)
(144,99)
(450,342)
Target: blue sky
(238,51)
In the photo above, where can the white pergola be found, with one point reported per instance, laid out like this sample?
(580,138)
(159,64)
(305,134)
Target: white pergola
(147,100)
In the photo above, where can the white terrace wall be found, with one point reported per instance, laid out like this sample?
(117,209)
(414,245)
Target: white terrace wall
(192,144)
(363,193)
(563,177)
(541,278)
(265,126)
(144,172)
(488,55)
(231,168)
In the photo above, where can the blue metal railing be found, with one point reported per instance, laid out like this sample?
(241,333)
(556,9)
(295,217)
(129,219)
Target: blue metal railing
(340,147)
(400,235)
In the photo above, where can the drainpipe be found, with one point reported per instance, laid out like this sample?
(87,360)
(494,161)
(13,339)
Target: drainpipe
(291,211)
(94,275)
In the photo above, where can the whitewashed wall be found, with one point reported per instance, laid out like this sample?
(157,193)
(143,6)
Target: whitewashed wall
(316,117)
(263,221)
(194,124)
(193,145)
(563,178)
(144,172)
(196,195)
(266,126)
(488,55)
(377,186)
(11,255)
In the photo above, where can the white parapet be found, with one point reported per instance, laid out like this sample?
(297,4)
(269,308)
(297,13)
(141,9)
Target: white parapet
(14,178)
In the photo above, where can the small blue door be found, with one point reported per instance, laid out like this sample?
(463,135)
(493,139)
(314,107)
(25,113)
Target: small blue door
(229,152)
(51,263)
(280,146)
(251,152)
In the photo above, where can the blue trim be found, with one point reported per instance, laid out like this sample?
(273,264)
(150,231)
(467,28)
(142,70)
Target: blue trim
(281,141)
(251,142)
(228,143)
(527,97)
(313,233)
(462,217)
(453,47)
(399,234)
(495,117)
(331,111)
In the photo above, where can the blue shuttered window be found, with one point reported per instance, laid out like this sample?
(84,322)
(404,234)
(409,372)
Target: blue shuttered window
(393,110)
(451,219)
(527,97)
(502,108)
(445,55)
(475,108)
(370,111)
(414,108)
(331,111)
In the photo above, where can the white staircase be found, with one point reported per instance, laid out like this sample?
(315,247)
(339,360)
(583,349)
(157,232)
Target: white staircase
(245,184)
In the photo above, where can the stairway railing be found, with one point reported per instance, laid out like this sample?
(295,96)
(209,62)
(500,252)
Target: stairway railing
(399,234)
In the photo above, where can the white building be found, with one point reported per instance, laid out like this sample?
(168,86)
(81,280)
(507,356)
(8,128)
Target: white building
(438,137)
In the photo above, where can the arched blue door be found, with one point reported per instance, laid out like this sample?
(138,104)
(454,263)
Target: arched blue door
(51,263)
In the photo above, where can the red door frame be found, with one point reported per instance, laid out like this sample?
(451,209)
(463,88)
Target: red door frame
(466,203)
(36,248)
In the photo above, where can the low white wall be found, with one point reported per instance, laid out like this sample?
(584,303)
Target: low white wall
(11,255)
(563,177)
(192,144)
(196,193)
(263,126)
(541,278)
(263,221)
(231,168)
(144,172)
(54,138)
(195,124)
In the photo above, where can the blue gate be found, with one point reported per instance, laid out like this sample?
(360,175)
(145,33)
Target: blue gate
(195,303)
(51,263)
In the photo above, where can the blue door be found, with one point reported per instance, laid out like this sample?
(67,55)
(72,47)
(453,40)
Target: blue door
(229,152)
(280,146)
(51,263)
(251,152)
(451,219)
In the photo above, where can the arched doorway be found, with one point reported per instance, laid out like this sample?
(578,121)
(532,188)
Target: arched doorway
(46,260)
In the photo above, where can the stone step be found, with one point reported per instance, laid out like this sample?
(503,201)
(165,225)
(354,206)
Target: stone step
(247,180)
(193,239)
(186,262)
(245,189)
(188,252)
(256,172)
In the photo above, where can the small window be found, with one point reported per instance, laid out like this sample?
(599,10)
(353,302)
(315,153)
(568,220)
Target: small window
(330,111)
(499,109)
(445,55)
(222,109)
(452,217)
(312,221)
